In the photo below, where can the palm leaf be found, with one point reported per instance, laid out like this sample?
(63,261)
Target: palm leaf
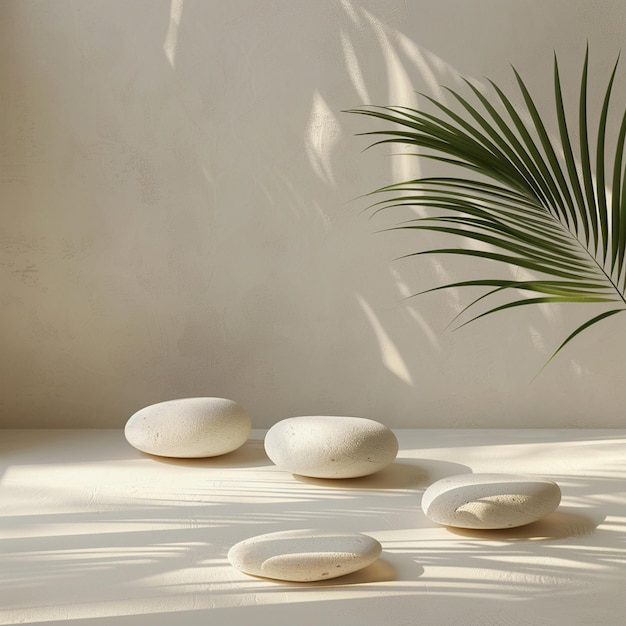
(529,200)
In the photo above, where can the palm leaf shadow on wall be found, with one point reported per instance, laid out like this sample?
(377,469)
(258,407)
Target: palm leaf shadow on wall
(539,204)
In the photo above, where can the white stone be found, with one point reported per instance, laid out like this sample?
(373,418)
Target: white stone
(304,555)
(189,428)
(490,500)
(330,446)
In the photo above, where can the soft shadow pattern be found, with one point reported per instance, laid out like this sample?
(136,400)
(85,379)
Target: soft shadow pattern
(558,525)
(398,475)
(251,454)
(136,542)
(436,469)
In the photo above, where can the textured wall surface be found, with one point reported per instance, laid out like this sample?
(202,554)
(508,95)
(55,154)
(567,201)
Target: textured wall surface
(181,214)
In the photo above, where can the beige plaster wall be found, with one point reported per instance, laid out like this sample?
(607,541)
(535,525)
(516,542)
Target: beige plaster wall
(180,214)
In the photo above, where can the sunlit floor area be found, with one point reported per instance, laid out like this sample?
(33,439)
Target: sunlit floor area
(95,532)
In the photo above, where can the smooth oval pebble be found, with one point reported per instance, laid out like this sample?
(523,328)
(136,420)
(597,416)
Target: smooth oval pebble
(331,446)
(304,555)
(490,501)
(189,428)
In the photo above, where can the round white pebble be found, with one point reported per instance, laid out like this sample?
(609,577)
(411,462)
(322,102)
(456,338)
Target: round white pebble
(331,446)
(304,555)
(189,428)
(490,501)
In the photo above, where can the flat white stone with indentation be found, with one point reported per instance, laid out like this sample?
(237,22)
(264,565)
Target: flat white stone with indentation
(490,500)
(304,555)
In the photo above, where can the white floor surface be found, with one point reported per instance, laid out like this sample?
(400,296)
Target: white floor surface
(94,532)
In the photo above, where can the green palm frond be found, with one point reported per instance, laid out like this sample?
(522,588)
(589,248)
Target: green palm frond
(532,201)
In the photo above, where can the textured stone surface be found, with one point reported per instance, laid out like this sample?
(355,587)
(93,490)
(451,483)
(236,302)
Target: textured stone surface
(490,500)
(189,427)
(304,555)
(330,446)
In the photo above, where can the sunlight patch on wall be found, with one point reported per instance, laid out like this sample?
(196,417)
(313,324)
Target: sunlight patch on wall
(351,12)
(389,353)
(521,274)
(171,39)
(444,277)
(405,292)
(537,338)
(413,52)
(322,134)
(576,368)
(425,327)
(354,69)
(550,313)
(401,92)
